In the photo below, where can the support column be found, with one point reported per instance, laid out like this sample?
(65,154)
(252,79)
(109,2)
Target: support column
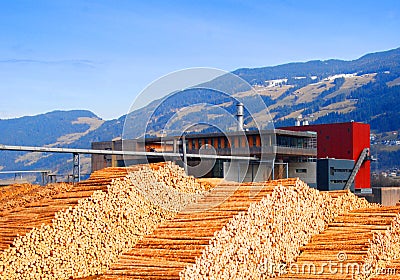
(113,157)
(175,143)
(184,154)
(252,172)
(287,170)
(76,173)
(273,169)
(238,165)
(44,178)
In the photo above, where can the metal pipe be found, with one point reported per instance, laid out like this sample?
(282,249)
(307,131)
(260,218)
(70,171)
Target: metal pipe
(239,116)
(110,152)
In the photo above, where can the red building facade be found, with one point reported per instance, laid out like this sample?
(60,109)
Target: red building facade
(342,141)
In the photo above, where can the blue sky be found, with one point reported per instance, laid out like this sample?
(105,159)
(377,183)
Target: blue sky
(98,55)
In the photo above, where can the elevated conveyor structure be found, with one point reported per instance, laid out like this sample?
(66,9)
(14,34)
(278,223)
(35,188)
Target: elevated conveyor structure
(363,157)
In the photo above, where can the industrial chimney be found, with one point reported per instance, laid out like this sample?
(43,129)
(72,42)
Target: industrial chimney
(239,116)
(298,120)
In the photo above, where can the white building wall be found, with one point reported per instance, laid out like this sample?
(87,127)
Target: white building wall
(234,171)
(306,171)
(296,169)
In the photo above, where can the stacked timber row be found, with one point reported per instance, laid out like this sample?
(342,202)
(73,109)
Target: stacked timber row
(383,258)
(24,207)
(178,241)
(167,186)
(344,250)
(115,226)
(15,196)
(259,243)
(171,175)
(226,241)
(89,235)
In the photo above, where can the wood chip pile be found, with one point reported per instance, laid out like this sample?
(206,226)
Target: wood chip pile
(87,237)
(255,243)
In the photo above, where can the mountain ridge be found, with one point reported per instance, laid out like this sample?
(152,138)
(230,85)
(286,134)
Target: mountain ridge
(365,89)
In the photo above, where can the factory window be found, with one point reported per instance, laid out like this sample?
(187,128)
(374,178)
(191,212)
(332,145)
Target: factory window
(219,143)
(200,143)
(214,142)
(193,144)
(239,142)
(301,170)
(338,181)
(300,143)
(206,143)
(226,143)
(334,170)
(342,170)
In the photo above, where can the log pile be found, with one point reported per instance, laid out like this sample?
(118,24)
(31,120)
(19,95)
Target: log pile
(255,244)
(339,251)
(20,195)
(12,191)
(41,209)
(87,237)
(172,175)
(177,242)
(167,186)
(383,257)
(141,223)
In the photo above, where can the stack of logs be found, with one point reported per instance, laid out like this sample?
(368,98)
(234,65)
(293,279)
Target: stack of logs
(19,195)
(172,175)
(39,204)
(255,244)
(383,257)
(167,186)
(85,239)
(12,191)
(340,250)
(177,242)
